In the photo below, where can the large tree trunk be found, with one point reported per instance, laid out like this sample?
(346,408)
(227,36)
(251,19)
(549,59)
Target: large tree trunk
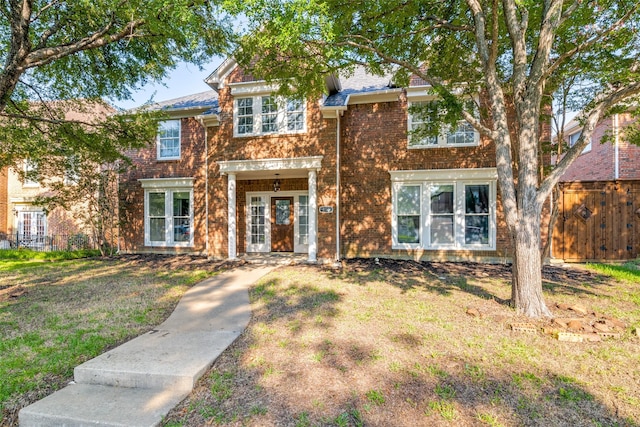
(526,289)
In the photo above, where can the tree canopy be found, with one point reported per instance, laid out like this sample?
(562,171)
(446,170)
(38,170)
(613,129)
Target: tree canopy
(518,54)
(54,52)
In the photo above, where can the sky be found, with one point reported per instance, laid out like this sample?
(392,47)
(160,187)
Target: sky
(186,79)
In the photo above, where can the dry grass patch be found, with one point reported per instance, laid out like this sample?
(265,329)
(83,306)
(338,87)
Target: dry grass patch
(390,344)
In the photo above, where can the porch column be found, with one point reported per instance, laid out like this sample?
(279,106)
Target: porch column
(313,216)
(231,232)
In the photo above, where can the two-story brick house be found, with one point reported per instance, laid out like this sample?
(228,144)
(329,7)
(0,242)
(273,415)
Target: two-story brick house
(237,170)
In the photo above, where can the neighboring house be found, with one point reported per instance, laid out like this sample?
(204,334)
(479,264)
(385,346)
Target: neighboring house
(238,171)
(28,224)
(615,159)
(599,203)
(4,203)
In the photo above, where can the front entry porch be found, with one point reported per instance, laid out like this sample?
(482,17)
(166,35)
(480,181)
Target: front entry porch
(278,219)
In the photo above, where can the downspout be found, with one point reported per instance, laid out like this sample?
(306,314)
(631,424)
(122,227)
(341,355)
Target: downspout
(206,187)
(337,185)
(616,150)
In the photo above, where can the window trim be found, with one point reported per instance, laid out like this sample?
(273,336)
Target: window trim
(441,139)
(572,142)
(459,178)
(168,186)
(282,114)
(159,141)
(27,166)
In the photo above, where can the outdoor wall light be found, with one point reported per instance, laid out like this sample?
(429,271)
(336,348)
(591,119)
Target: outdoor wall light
(276,184)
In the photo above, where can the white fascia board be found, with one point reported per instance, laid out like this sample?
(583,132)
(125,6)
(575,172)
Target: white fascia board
(166,182)
(252,88)
(443,174)
(216,79)
(209,120)
(385,95)
(184,113)
(235,166)
(426,93)
(331,112)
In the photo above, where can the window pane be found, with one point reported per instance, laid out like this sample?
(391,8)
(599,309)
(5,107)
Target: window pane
(408,200)
(258,235)
(419,121)
(409,229)
(169,138)
(181,229)
(477,199)
(269,114)
(442,229)
(282,212)
(476,229)
(295,116)
(156,204)
(181,203)
(157,229)
(303,220)
(442,199)
(464,134)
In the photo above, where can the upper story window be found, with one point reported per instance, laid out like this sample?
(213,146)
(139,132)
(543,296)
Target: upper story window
(573,139)
(267,114)
(30,168)
(463,135)
(169,140)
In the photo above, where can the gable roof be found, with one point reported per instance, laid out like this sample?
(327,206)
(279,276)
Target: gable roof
(196,103)
(360,82)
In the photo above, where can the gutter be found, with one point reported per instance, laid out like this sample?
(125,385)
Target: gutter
(616,151)
(206,185)
(337,185)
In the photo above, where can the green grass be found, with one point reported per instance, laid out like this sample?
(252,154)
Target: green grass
(69,311)
(629,271)
(28,254)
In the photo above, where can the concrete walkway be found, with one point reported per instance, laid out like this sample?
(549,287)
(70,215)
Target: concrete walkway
(138,383)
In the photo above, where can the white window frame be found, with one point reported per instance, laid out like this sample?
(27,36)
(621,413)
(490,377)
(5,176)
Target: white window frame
(282,116)
(168,186)
(573,138)
(28,166)
(160,139)
(427,180)
(441,139)
(35,239)
(266,197)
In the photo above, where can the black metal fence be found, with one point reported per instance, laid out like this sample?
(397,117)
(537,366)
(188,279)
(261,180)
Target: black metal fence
(48,243)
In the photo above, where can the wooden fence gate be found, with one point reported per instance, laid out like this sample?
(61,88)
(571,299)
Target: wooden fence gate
(598,221)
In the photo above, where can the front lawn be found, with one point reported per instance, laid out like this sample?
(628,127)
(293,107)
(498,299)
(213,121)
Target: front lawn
(401,343)
(56,315)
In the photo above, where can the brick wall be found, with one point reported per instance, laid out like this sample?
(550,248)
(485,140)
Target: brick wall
(374,142)
(599,163)
(319,140)
(146,165)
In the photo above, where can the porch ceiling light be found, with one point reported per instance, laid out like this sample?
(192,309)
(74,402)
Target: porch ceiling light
(276,184)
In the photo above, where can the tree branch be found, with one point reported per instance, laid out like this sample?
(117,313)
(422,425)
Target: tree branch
(604,102)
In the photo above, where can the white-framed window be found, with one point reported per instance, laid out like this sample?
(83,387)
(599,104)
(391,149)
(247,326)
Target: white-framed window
(303,219)
(439,210)
(268,114)
(463,136)
(168,216)
(32,228)
(30,169)
(573,139)
(169,140)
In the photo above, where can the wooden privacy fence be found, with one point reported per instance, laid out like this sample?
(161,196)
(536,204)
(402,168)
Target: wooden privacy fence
(598,221)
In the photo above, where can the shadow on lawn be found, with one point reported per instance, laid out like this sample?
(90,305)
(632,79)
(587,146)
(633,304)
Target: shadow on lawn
(443,277)
(331,391)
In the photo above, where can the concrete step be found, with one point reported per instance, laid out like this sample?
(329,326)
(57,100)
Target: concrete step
(80,405)
(158,359)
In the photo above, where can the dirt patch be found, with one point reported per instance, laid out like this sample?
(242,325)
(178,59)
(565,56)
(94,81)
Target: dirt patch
(178,262)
